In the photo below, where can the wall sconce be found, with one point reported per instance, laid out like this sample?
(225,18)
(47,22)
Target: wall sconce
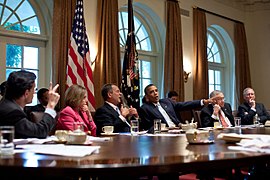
(186,75)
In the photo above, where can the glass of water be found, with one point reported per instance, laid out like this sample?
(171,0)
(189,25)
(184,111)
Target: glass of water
(134,126)
(6,140)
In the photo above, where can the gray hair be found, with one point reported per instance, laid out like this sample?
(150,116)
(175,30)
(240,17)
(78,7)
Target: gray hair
(245,90)
(215,92)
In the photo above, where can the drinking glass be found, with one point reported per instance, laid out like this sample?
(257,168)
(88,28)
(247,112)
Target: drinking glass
(157,126)
(6,140)
(134,126)
(237,121)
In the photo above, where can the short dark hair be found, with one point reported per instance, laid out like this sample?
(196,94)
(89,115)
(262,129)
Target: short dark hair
(172,93)
(41,92)
(145,89)
(3,88)
(18,82)
(105,89)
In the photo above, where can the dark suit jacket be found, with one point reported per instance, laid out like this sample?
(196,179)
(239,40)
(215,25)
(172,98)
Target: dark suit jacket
(207,111)
(148,112)
(11,114)
(107,116)
(246,114)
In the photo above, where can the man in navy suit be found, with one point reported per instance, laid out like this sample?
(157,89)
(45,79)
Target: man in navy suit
(113,113)
(217,111)
(164,109)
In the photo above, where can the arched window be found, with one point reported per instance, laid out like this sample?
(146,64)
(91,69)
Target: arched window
(147,46)
(220,62)
(21,42)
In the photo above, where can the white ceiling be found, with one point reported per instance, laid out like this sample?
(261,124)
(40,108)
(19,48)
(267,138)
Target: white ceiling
(247,5)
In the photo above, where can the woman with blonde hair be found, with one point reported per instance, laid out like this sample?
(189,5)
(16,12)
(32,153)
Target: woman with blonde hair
(76,110)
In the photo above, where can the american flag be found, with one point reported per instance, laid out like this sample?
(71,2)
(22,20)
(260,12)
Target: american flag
(79,65)
(130,73)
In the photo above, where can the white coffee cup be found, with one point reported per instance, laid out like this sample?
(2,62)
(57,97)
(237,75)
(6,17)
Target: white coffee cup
(163,126)
(108,129)
(61,135)
(195,136)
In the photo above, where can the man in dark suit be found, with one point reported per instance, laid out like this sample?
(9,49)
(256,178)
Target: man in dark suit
(113,113)
(218,111)
(250,108)
(20,90)
(42,96)
(164,109)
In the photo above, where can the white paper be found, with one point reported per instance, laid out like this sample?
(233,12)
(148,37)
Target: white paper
(255,143)
(60,149)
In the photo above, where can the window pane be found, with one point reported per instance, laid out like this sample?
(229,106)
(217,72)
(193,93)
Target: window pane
(30,58)
(211,88)
(141,34)
(217,77)
(31,26)
(14,56)
(217,58)
(25,10)
(12,4)
(218,87)
(211,76)
(145,82)
(23,17)
(146,69)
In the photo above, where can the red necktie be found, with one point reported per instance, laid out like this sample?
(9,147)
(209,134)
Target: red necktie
(222,120)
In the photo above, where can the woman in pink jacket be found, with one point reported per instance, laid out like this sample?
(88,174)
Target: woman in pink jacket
(76,110)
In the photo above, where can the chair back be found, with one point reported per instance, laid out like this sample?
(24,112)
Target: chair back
(197,117)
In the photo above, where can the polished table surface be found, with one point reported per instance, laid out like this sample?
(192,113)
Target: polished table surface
(126,155)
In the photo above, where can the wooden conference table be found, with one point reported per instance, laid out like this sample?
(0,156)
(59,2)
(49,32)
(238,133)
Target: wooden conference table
(135,156)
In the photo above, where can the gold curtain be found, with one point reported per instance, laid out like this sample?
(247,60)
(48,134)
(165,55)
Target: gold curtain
(200,74)
(242,71)
(107,63)
(63,13)
(173,63)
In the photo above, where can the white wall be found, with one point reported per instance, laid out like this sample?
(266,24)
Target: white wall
(258,37)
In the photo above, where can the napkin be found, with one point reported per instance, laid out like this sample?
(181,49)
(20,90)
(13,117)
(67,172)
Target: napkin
(259,143)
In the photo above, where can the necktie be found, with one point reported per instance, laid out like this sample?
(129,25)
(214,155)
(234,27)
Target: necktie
(165,115)
(117,109)
(124,120)
(222,120)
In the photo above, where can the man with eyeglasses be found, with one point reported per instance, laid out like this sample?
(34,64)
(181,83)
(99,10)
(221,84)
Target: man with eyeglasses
(218,111)
(250,108)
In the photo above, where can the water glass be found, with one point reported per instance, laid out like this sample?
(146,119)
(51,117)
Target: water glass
(237,121)
(78,127)
(6,140)
(134,126)
(157,126)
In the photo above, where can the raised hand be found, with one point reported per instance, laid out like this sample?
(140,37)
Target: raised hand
(53,96)
(133,112)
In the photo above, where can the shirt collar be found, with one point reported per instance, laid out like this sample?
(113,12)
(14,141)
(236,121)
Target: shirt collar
(112,105)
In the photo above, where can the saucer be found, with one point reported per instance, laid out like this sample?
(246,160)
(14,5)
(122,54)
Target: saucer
(109,134)
(60,141)
(165,130)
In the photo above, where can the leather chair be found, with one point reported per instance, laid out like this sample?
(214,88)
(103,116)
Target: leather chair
(36,116)
(197,117)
